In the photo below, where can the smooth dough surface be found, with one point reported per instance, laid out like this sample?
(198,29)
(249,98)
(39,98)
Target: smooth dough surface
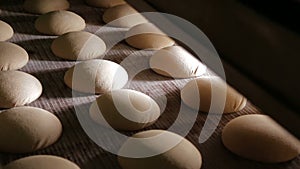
(59,22)
(123,16)
(6,31)
(12,56)
(125,109)
(18,88)
(200,90)
(78,45)
(183,156)
(41,162)
(105,3)
(260,138)
(148,36)
(45,6)
(176,62)
(96,76)
(27,129)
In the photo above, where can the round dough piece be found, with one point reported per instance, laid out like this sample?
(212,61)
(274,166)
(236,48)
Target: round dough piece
(200,90)
(41,162)
(96,76)
(124,16)
(12,56)
(183,156)
(260,138)
(125,109)
(6,31)
(176,62)
(45,6)
(27,129)
(18,88)
(78,45)
(59,22)
(148,36)
(105,3)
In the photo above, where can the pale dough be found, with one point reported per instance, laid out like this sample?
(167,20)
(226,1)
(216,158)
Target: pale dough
(148,36)
(12,56)
(96,76)
(114,106)
(123,16)
(59,22)
(183,156)
(6,31)
(105,3)
(200,90)
(176,62)
(27,129)
(18,88)
(78,45)
(260,138)
(45,6)
(41,162)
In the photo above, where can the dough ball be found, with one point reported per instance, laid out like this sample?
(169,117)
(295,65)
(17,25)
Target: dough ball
(125,109)
(78,45)
(18,88)
(105,3)
(12,56)
(200,90)
(176,62)
(27,129)
(42,162)
(59,22)
(6,31)
(45,6)
(148,36)
(183,156)
(260,138)
(123,16)
(96,76)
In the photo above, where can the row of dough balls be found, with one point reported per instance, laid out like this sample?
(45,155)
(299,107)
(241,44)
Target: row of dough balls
(16,88)
(24,129)
(53,135)
(232,106)
(134,163)
(183,155)
(45,6)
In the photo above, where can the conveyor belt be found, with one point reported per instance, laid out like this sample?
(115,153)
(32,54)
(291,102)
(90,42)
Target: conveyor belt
(74,144)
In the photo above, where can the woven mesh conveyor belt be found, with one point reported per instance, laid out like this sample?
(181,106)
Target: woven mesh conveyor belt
(74,144)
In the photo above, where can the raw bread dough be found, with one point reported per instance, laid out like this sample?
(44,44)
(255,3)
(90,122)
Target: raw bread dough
(114,107)
(59,22)
(201,88)
(42,162)
(148,36)
(105,3)
(78,45)
(45,6)
(260,138)
(6,31)
(12,56)
(96,76)
(123,16)
(18,88)
(183,156)
(27,129)
(176,62)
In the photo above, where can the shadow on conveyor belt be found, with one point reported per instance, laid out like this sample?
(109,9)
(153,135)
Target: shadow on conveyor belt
(23,24)
(12,5)
(103,161)
(53,83)
(40,49)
